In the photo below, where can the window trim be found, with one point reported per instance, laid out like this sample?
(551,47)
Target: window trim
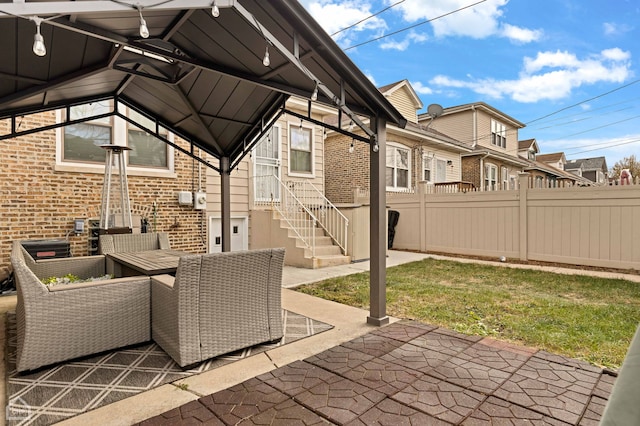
(426,157)
(119,132)
(504,177)
(311,128)
(498,129)
(395,188)
(487,181)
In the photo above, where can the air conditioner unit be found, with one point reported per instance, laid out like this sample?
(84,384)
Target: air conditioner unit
(199,200)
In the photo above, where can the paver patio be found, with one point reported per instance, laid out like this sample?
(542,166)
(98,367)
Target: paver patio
(405,373)
(411,373)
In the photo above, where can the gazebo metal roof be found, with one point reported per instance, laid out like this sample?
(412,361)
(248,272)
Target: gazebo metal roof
(199,76)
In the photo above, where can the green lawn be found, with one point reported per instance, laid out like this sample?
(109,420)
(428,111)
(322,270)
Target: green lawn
(578,316)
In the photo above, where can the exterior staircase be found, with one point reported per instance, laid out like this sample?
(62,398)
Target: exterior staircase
(305,222)
(327,253)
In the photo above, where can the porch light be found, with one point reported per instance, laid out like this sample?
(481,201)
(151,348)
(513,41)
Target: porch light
(266,61)
(144,30)
(38,41)
(215,11)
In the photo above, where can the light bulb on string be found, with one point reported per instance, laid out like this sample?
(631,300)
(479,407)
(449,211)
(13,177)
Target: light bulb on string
(215,11)
(38,41)
(144,30)
(266,61)
(351,147)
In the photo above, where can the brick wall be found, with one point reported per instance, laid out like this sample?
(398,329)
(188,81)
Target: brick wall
(37,202)
(471,170)
(344,170)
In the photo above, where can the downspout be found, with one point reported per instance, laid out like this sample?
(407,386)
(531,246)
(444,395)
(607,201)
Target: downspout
(475,126)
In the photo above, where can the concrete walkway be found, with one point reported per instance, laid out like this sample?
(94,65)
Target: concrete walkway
(360,374)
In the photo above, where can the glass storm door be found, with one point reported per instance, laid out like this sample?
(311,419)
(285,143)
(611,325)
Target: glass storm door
(266,165)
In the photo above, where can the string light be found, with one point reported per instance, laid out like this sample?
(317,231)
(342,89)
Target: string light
(314,95)
(215,11)
(38,41)
(266,61)
(351,126)
(351,147)
(144,30)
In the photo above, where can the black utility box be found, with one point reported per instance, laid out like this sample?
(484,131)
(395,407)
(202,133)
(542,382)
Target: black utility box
(47,249)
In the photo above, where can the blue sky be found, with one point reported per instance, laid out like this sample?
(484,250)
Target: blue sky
(566,68)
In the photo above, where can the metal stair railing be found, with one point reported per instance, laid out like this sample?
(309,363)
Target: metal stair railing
(331,219)
(279,196)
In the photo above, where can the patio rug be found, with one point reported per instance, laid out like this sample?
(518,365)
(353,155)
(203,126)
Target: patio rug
(68,389)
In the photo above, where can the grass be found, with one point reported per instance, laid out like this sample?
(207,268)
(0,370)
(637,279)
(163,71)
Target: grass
(581,317)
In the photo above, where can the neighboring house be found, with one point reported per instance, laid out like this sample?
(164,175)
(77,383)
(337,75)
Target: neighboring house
(493,162)
(556,159)
(593,169)
(414,154)
(546,170)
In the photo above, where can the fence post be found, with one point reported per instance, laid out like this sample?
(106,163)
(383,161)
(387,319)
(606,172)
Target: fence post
(523,224)
(422,215)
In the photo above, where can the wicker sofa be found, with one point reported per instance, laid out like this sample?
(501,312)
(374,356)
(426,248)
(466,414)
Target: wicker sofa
(218,303)
(74,320)
(110,243)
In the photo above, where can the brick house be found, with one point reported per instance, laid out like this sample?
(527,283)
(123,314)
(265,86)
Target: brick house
(416,153)
(46,183)
(492,135)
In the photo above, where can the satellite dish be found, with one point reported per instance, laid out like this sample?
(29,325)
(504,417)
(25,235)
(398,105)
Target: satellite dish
(434,110)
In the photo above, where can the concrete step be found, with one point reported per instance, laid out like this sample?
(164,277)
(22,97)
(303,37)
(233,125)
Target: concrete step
(332,260)
(328,250)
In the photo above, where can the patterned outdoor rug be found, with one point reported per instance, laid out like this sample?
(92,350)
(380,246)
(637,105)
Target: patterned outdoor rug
(66,390)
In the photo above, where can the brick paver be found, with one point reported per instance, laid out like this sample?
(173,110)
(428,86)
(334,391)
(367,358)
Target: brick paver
(412,374)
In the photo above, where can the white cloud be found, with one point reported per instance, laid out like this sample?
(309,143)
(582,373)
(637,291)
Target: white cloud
(520,35)
(334,15)
(612,29)
(550,75)
(479,21)
(420,88)
(404,44)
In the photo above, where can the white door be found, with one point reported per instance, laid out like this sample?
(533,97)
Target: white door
(239,231)
(266,162)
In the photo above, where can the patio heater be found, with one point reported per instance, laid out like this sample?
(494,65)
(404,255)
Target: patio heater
(115,210)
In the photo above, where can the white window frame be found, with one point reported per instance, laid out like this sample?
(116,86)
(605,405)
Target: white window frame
(392,147)
(298,125)
(119,135)
(498,134)
(490,184)
(427,160)
(504,177)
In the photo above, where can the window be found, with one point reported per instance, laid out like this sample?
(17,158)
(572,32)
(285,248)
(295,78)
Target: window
(504,176)
(498,134)
(490,177)
(300,149)
(398,167)
(80,143)
(146,150)
(426,168)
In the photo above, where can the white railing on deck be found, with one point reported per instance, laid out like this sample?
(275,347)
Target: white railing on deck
(304,208)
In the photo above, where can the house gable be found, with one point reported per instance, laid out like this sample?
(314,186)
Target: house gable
(402,96)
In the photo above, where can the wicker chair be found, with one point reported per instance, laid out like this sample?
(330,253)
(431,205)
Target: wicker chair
(110,243)
(74,320)
(218,303)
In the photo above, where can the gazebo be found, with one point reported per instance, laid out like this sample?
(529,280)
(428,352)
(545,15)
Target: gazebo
(216,73)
